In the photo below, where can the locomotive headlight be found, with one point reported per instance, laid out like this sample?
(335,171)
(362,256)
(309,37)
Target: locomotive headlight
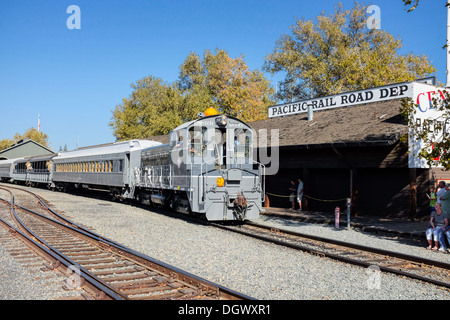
(220,182)
(221,121)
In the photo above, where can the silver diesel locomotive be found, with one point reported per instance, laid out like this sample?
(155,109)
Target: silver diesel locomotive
(207,168)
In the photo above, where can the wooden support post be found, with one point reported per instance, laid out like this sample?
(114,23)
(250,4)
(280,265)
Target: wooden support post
(413,193)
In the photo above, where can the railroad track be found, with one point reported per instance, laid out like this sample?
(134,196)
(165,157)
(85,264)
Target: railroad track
(103,268)
(418,268)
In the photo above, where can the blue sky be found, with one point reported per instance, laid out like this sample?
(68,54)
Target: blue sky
(75,78)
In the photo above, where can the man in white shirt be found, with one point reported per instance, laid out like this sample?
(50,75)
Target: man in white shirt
(300,193)
(442,190)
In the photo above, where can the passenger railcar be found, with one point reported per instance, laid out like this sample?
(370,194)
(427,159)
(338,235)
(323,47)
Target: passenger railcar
(40,170)
(107,167)
(207,168)
(6,169)
(20,170)
(33,170)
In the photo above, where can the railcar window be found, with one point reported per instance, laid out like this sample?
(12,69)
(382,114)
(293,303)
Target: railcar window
(21,168)
(220,144)
(242,143)
(197,142)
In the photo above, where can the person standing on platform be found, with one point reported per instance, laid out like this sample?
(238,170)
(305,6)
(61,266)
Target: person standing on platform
(441,191)
(300,193)
(292,189)
(433,198)
(445,204)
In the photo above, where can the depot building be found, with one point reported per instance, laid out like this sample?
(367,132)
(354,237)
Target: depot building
(351,145)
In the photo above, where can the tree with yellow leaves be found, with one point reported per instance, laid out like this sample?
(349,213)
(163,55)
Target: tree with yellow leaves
(233,88)
(155,107)
(32,133)
(338,53)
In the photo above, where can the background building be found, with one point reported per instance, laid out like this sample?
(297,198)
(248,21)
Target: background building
(24,148)
(358,149)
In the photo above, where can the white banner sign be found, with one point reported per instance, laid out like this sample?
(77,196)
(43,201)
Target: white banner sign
(426,115)
(395,91)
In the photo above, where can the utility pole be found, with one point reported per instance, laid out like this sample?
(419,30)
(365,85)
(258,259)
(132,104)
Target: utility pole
(447,48)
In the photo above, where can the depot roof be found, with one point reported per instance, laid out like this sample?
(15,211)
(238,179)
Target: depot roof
(372,124)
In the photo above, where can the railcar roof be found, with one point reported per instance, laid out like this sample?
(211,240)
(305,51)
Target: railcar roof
(118,147)
(9,161)
(189,123)
(43,158)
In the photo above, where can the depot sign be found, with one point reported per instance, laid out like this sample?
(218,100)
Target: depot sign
(396,91)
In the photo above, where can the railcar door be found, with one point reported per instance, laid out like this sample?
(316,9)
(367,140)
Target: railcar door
(179,158)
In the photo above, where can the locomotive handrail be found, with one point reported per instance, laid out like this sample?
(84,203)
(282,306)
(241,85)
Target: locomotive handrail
(203,193)
(263,175)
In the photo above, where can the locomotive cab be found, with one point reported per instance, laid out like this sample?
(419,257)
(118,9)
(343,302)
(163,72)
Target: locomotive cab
(213,171)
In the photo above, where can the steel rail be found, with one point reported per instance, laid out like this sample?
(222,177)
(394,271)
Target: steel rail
(57,259)
(133,255)
(398,255)
(59,216)
(323,253)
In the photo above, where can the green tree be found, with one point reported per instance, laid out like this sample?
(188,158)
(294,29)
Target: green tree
(412,3)
(5,144)
(338,53)
(433,132)
(153,108)
(32,133)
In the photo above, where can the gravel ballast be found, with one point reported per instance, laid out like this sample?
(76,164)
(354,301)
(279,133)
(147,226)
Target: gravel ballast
(257,269)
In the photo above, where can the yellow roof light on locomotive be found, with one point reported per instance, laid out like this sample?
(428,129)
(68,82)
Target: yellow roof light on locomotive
(210,112)
(220,182)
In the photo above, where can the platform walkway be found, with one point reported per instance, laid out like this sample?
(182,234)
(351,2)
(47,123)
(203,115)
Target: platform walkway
(394,226)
